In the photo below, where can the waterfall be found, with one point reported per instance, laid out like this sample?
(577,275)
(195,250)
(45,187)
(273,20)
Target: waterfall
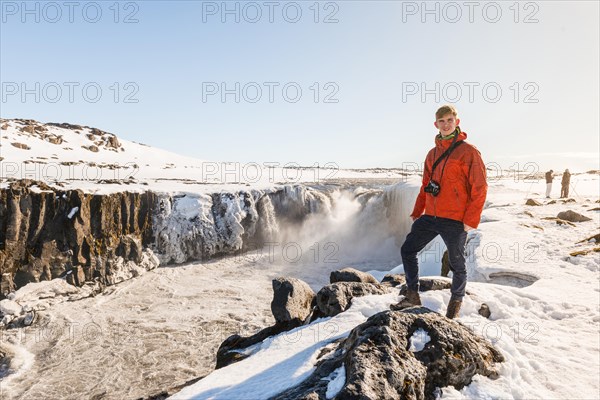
(313,226)
(352,226)
(399,200)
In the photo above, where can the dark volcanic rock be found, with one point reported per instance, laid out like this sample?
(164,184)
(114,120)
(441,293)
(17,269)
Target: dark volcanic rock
(380,365)
(393,280)
(54,139)
(595,238)
(292,299)
(39,241)
(563,222)
(351,275)
(21,146)
(484,311)
(66,125)
(291,306)
(572,216)
(229,351)
(76,276)
(28,129)
(426,284)
(532,202)
(337,297)
(113,142)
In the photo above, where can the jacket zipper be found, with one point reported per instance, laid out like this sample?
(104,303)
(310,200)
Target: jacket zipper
(440,182)
(434,209)
(434,197)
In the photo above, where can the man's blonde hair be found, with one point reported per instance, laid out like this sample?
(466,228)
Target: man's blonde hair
(445,110)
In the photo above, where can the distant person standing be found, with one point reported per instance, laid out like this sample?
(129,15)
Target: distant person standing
(449,204)
(565,182)
(549,178)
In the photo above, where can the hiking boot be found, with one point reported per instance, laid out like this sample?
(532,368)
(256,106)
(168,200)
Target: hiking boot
(411,299)
(453,308)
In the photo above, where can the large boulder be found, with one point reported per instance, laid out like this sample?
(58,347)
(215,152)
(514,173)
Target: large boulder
(381,362)
(426,284)
(572,216)
(292,299)
(232,348)
(393,280)
(484,311)
(292,305)
(532,202)
(337,297)
(113,142)
(351,275)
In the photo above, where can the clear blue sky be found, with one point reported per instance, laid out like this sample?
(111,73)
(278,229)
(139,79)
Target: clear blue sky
(372,57)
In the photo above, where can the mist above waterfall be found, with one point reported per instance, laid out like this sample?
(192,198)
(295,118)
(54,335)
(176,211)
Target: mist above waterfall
(358,227)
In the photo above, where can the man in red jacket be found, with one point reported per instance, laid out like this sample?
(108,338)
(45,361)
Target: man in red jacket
(449,204)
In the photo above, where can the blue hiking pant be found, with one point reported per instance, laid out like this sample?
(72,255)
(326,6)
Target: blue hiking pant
(423,231)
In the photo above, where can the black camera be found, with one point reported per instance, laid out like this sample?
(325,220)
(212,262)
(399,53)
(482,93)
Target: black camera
(432,187)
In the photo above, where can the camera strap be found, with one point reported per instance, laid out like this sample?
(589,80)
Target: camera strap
(446,154)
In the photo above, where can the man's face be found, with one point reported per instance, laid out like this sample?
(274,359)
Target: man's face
(447,124)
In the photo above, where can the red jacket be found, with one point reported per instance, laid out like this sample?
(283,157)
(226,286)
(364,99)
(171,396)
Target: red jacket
(463,184)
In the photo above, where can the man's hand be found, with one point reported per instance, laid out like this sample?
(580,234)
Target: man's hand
(467,228)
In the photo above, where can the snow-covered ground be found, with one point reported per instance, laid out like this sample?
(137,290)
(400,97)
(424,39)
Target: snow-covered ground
(163,328)
(545,311)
